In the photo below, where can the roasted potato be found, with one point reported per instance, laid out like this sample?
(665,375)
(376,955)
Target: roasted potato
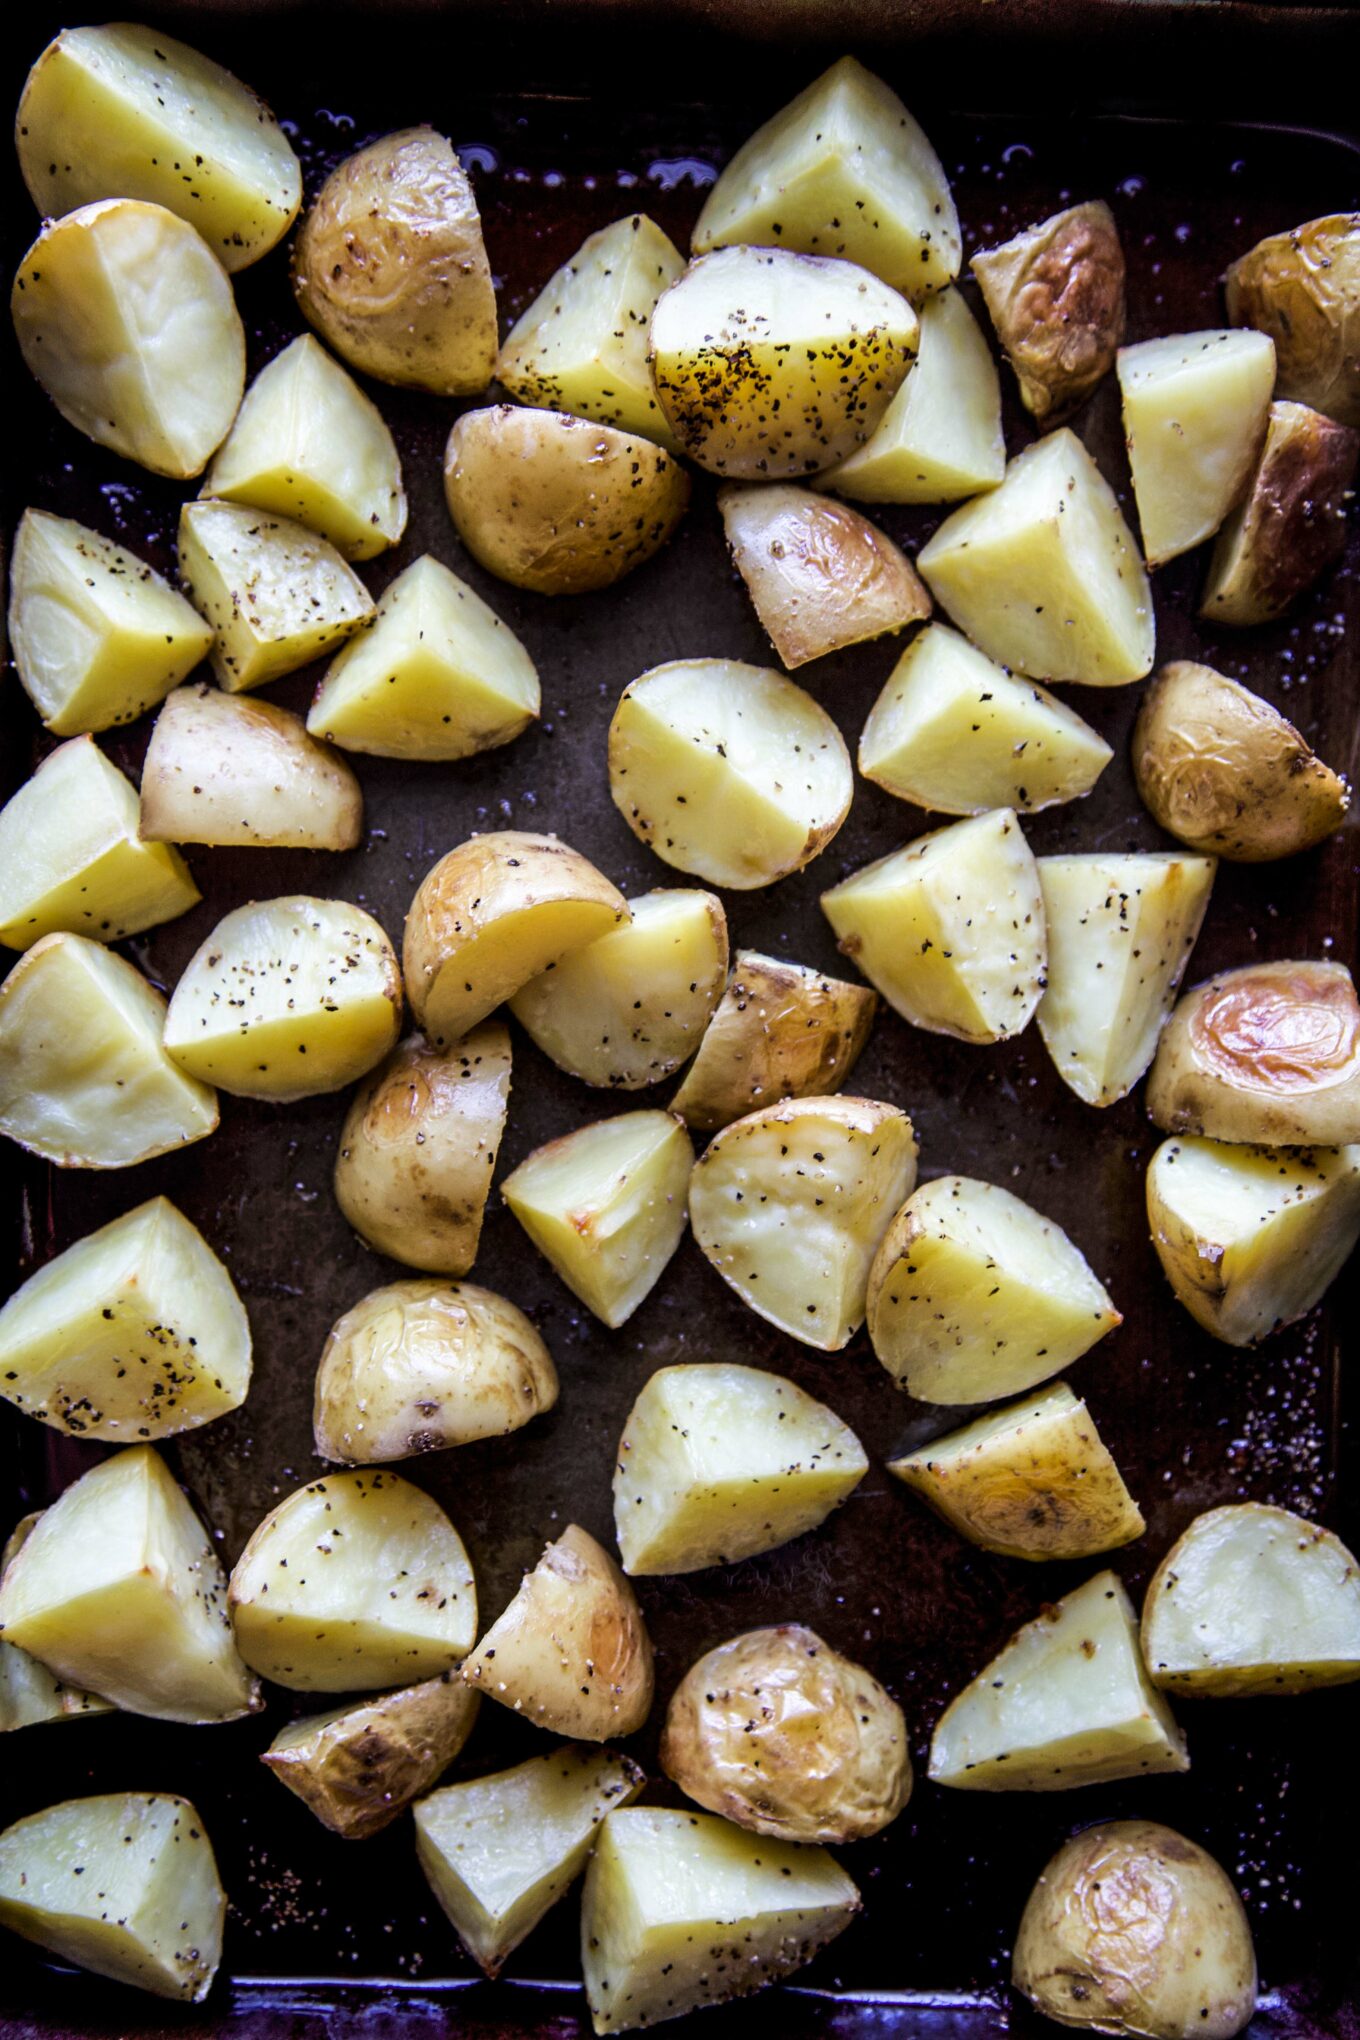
(781,1030)
(1291,524)
(275,594)
(358,1767)
(220,769)
(1303,289)
(1195,412)
(29,1693)
(1055,293)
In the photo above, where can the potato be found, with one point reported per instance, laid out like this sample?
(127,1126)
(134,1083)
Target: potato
(1033,1480)
(71,858)
(606,1205)
(124,1884)
(950,928)
(127,320)
(358,1767)
(436,675)
(789,1204)
(582,344)
(1044,574)
(85,1081)
(275,594)
(390,267)
(571,1652)
(956,732)
(1195,411)
(1291,524)
(285,999)
(719,1462)
(1132,1929)
(1269,1054)
(1250,1238)
(630,1007)
(418,1146)
(501,1851)
(1303,289)
(683,1910)
(1120,932)
(783,1735)
(490,915)
(220,769)
(29,1693)
(394,1599)
(781,1030)
(769,365)
(1055,293)
(116,112)
(309,445)
(118,1589)
(97,636)
(973,1294)
(1253,1600)
(1067,1702)
(728,771)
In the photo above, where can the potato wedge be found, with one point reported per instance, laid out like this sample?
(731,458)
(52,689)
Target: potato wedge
(789,1204)
(781,1030)
(29,1693)
(1055,293)
(1290,525)
(1303,289)
(1067,1702)
(728,771)
(571,1652)
(223,770)
(358,1767)
(1195,412)
(719,1462)
(275,594)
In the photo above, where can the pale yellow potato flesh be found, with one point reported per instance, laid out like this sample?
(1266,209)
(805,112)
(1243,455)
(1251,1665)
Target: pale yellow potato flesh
(1290,523)
(1055,293)
(221,769)
(29,1693)
(358,1767)
(276,595)
(1195,413)
(780,1030)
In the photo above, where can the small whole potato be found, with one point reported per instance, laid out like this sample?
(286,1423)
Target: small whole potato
(1133,1929)
(1303,289)
(781,1734)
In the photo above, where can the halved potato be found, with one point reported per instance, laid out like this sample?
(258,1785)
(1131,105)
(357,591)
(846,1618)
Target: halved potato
(353,1582)
(287,998)
(1253,1599)
(29,1693)
(1067,1702)
(1290,525)
(973,1294)
(789,1204)
(1302,287)
(1044,574)
(718,1462)
(950,928)
(1056,297)
(1195,410)
(1034,1480)
(220,769)
(358,1767)
(127,320)
(781,1030)
(275,594)
(728,771)
(571,1652)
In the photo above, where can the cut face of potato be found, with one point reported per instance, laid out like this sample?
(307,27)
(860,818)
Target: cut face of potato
(790,1203)
(220,769)
(719,1462)
(728,771)
(950,928)
(781,1030)
(1303,289)
(571,1652)
(1043,572)
(973,1294)
(1195,409)
(1056,298)
(29,1693)
(275,594)
(287,998)
(1067,1702)
(1291,524)
(358,1767)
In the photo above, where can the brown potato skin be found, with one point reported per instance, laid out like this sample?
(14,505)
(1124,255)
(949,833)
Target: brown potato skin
(1056,297)
(779,1031)
(1291,526)
(196,719)
(1303,289)
(363,1770)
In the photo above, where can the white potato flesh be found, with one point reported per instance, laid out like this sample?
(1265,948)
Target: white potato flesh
(436,675)
(85,1080)
(287,998)
(123,1884)
(1195,412)
(1251,1600)
(29,1693)
(718,1462)
(275,594)
(683,1910)
(1044,574)
(356,1581)
(1067,1702)
(974,1294)
(220,769)
(954,731)
(127,320)
(951,928)
(118,1589)
(606,1206)
(134,1332)
(98,637)
(1120,933)
(359,1766)
(1251,1238)
(71,857)
(781,1030)
(790,1203)
(728,771)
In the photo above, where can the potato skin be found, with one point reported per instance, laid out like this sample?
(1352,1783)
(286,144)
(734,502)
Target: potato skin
(360,1767)
(1056,297)
(780,1031)
(1303,289)
(209,745)
(1291,525)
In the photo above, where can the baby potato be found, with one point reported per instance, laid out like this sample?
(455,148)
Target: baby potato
(1056,296)
(781,1734)
(781,1030)
(1195,411)
(358,1767)
(224,770)
(1291,524)
(276,595)
(1303,289)
(29,1693)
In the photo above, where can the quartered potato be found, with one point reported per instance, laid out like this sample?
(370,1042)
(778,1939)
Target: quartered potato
(781,1030)
(973,1294)
(29,1693)
(1290,525)
(353,1582)
(286,998)
(127,320)
(275,594)
(358,1767)
(1056,298)
(1303,289)
(728,771)
(789,1204)
(1195,410)
(1067,1702)
(224,770)
(718,1462)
